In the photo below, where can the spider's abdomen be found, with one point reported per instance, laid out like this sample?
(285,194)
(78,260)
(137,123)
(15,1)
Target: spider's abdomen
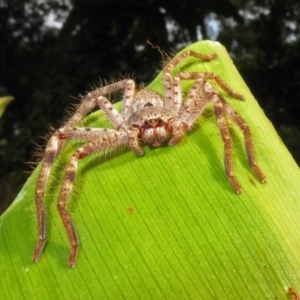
(154,124)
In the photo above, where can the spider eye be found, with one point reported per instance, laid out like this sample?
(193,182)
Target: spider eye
(148,104)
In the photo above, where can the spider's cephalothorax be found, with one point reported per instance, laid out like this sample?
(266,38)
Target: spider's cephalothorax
(146,118)
(156,123)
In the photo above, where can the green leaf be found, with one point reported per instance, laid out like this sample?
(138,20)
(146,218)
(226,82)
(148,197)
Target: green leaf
(4,101)
(167,225)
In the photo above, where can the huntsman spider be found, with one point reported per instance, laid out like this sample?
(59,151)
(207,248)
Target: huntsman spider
(146,118)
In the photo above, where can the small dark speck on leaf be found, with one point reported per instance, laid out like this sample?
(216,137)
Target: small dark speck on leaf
(130,209)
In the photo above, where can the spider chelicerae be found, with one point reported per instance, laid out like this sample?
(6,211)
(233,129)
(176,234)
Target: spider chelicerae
(146,118)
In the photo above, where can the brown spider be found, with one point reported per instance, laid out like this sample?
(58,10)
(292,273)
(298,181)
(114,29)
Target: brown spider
(146,117)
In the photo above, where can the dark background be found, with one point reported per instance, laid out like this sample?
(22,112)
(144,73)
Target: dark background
(51,50)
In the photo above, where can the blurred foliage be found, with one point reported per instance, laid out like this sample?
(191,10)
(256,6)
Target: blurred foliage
(4,101)
(52,50)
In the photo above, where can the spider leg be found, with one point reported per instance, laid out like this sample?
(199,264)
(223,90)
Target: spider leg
(89,102)
(195,102)
(173,94)
(182,56)
(102,139)
(128,97)
(191,109)
(199,96)
(55,144)
(206,76)
(50,153)
(247,137)
(224,130)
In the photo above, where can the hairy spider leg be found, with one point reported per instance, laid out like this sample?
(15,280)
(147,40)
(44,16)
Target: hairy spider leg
(199,96)
(55,145)
(102,139)
(170,66)
(224,130)
(190,110)
(212,76)
(128,98)
(50,154)
(247,137)
(220,105)
(195,103)
(202,93)
(173,94)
